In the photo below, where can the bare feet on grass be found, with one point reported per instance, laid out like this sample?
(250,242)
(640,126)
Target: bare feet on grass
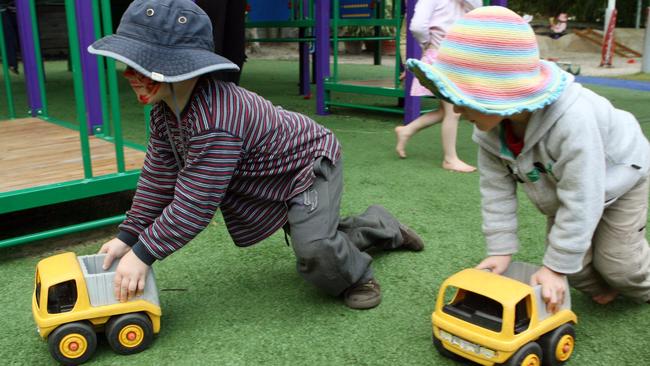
(458,166)
(606,297)
(403,135)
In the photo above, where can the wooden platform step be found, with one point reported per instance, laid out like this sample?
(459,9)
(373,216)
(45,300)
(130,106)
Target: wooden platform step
(34,152)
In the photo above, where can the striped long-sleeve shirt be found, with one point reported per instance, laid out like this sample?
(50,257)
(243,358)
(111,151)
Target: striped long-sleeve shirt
(240,153)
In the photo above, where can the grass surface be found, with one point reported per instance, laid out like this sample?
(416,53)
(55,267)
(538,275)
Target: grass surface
(223,305)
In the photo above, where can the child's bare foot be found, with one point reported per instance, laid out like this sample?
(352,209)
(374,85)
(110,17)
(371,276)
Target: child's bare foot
(402,138)
(605,298)
(458,166)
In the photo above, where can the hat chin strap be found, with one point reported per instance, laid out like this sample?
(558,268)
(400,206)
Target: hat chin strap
(177,113)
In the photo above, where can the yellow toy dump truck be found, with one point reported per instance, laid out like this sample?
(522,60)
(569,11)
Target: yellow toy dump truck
(74,298)
(501,320)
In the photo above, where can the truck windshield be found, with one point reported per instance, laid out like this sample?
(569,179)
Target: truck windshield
(37,290)
(474,308)
(62,297)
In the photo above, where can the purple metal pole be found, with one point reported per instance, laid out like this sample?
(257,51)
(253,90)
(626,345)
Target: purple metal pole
(499,2)
(322,14)
(304,55)
(89,65)
(26,34)
(411,103)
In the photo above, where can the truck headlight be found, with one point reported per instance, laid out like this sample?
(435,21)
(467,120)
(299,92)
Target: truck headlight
(445,336)
(487,352)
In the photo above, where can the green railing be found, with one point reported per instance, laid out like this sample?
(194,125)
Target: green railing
(91,185)
(334,82)
(5,69)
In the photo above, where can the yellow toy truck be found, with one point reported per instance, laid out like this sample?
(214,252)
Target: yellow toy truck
(495,319)
(73,298)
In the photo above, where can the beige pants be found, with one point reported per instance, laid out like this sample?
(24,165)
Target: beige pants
(619,257)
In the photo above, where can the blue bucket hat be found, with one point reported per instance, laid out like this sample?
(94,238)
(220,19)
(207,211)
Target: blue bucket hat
(165,40)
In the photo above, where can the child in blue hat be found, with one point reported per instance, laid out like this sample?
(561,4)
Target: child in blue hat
(215,145)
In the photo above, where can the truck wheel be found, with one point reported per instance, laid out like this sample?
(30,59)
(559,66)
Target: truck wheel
(528,355)
(72,343)
(558,345)
(443,351)
(129,333)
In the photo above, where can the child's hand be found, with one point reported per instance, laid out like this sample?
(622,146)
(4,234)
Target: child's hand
(495,263)
(553,287)
(114,249)
(129,277)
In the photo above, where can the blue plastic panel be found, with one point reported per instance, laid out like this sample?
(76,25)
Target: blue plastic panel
(269,10)
(357,9)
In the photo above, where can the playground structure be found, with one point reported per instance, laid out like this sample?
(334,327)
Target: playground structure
(319,22)
(376,19)
(328,81)
(47,160)
(98,160)
(35,177)
(280,14)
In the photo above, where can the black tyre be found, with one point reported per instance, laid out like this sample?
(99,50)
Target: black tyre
(558,345)
(445,352)
(528,355)
(129,333)
(72,343)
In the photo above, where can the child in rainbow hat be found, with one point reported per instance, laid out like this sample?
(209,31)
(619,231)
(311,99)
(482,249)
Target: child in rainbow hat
(581,161)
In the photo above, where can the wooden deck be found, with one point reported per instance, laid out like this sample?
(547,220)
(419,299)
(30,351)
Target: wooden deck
(34,153)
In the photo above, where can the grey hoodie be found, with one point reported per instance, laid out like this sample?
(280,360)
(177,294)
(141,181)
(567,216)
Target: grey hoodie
(579,155)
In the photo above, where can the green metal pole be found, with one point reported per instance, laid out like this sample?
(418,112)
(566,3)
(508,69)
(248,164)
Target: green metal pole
(113,89)
(101,71)
(73,39)
(379,14)
(38,58)
(61,231)
(335,42)
(5,70)
(397,16)
(299,13)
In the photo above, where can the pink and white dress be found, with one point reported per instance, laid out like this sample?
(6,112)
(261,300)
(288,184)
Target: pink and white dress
(429,25)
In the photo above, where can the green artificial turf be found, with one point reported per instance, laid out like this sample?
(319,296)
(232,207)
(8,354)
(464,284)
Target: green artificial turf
(224,305)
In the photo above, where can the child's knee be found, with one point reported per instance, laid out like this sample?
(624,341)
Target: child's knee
(631,277)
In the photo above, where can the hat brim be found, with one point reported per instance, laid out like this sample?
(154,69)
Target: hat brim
(554,82)
(161,63)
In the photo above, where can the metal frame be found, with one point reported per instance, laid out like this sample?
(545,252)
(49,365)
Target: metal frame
(301,17)
(328,83)
(5,70)
(91,185)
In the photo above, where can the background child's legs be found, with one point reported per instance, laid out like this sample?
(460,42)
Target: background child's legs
(449,132)
(404,133)
(620,252)
(326,256)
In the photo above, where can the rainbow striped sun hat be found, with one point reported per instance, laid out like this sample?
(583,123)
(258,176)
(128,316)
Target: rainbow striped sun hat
(489,62)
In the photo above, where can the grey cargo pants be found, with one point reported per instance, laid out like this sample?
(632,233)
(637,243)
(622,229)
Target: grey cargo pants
(619,257)
(329,250)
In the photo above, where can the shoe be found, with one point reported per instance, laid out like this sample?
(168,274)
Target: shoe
(410,239)
(14,69)
(363,296)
